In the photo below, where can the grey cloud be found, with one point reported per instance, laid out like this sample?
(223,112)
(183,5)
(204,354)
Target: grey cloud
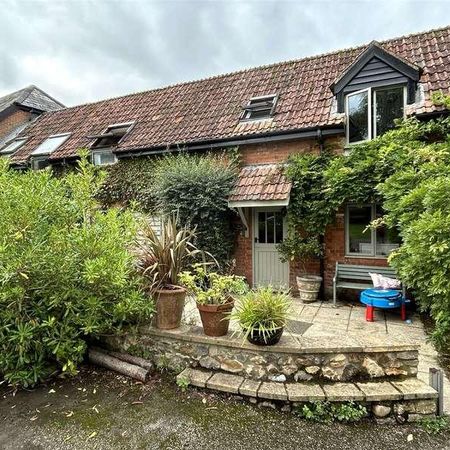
(87,50)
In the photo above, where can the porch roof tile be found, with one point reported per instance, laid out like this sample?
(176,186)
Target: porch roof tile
(265,182)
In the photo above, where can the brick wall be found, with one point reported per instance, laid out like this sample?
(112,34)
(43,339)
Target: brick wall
(13,120)
(335,234)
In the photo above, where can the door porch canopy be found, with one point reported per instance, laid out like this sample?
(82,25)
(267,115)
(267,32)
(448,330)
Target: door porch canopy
(259,186)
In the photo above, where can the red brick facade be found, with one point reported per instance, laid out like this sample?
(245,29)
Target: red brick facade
(334,237)
(12,120)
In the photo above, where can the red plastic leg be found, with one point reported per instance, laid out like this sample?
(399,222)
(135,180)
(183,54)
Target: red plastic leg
(369,313)
(403,311)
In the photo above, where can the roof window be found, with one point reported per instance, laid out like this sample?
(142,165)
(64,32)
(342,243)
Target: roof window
(12,147)
(259,108)
(111,136)
(50,144)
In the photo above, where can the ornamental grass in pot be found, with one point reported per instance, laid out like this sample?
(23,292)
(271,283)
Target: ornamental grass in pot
(262,315)
(164,256)
(214,295)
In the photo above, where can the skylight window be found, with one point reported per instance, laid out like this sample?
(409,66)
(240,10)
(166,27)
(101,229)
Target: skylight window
(259,108)
(111,136)
(12,147)
(50,144)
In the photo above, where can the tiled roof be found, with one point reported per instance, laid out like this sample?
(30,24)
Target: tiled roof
(210,109)
(261,183)
(30,97)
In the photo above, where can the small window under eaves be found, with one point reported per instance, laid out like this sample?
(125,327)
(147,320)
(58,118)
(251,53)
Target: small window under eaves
(111,136)
(12,147)
(259,108)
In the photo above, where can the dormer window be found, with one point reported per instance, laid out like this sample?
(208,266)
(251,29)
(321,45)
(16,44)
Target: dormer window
(371,112)
(260,108)
(12,147)
(102,148)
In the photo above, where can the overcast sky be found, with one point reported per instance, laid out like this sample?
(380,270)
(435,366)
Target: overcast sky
(81,51)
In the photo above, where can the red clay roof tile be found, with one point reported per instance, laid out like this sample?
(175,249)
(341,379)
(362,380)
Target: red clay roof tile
(210,109)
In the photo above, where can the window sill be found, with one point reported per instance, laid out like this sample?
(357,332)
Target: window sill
(365,257)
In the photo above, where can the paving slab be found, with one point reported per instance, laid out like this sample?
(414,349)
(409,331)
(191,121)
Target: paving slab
(412,388)
(225,382)
(196,377)
(272,391)
(381,391)
(249,388)
(304,392)
(340,392)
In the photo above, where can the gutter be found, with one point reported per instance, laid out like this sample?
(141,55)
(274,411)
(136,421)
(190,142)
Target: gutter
(256,139)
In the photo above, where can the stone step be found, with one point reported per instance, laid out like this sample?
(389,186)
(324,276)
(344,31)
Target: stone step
(408,389)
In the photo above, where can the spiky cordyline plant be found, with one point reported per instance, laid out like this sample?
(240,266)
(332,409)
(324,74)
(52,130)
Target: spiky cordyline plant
(165,256)
(262,311)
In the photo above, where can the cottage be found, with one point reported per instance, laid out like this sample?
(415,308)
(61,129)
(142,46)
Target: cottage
(334,100)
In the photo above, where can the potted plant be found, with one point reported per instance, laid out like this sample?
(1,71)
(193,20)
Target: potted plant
(301,248)
(163,257)
(214,297)
(262,315)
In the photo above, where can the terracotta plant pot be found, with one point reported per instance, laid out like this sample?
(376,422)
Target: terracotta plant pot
(215,318)
(169,307)
(257,338)
(309,287)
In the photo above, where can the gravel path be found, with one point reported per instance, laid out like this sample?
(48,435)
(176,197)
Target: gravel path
(99,410)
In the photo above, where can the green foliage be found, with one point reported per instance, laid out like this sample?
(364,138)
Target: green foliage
(309,208)
(435,425)
(326,412)
(197,188)
(262,311)
(210,288)
(183,383)
(439,98)
(65,271)
(130,180)
(164,256)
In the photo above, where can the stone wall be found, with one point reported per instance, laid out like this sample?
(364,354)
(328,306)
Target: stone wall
(177,351)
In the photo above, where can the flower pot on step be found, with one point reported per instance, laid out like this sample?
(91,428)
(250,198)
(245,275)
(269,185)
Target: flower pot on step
(309,287)
(169,307)
(215,318)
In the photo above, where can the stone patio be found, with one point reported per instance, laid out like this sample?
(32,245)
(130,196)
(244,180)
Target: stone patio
(347,322)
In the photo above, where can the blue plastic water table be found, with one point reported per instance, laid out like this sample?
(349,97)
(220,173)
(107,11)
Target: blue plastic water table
(384,299)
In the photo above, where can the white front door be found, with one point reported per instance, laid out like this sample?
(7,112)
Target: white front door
(269,230)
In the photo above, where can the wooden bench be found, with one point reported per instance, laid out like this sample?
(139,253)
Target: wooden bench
(353,276)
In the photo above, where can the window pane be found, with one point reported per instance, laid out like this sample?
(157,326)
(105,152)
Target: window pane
(13,146)
(387,238)
(103,158)
(389,105)
(360,241)
(50,145)
(278,227)
(262,228)
(358,124)
(270,226)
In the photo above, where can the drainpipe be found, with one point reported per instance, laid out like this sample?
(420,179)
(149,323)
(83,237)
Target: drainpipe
(321,237)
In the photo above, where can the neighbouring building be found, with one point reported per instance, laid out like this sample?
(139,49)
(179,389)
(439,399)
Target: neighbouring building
(20,108)
(335,99)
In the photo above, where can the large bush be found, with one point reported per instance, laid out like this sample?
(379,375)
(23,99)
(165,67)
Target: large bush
(197,188)
(65,272)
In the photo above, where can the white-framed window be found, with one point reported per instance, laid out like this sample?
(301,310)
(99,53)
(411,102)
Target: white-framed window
(259,108)
(371,112)
(12,147)
(112,135)
(50,144)
(103,157)
(39,162)
(360,239)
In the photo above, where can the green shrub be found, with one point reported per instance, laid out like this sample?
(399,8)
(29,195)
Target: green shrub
(435,425)
(326,412)
(65,272)
(197,187)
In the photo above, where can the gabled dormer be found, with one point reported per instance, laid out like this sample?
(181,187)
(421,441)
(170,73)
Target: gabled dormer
(373,92)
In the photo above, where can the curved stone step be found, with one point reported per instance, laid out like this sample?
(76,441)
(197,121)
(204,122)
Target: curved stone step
(408,389)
